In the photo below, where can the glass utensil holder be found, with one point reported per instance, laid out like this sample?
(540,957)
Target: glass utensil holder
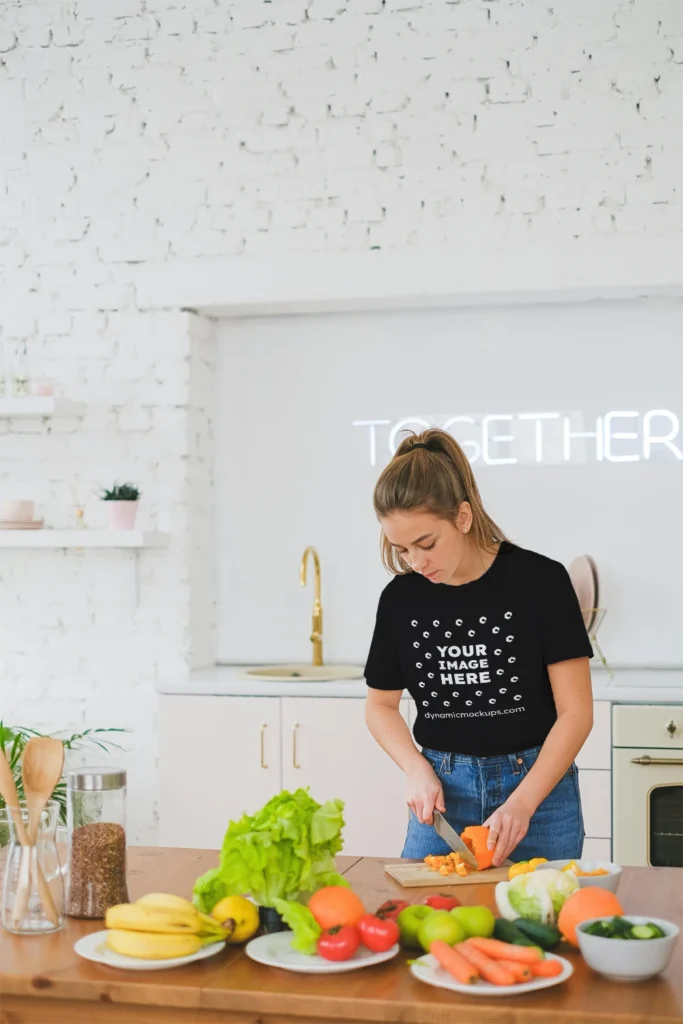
(33,877)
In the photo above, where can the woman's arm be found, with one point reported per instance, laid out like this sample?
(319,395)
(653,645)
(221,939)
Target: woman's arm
(389,728)
(571,686)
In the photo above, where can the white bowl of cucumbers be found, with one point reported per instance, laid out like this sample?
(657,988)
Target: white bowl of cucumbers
(627,948)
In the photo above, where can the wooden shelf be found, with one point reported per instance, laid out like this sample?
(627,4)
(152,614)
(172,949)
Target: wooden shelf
(39,406)
(82,539)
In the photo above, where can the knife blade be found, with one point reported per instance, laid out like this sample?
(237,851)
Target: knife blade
(453,839)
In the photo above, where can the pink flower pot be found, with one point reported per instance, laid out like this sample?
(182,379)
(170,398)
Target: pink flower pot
(121,514)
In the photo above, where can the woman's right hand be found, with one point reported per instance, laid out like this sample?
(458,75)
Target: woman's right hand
(424,792)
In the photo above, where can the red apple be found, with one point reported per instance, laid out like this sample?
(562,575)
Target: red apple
(440,901)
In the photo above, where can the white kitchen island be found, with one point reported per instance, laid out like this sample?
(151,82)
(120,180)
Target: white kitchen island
(228,743)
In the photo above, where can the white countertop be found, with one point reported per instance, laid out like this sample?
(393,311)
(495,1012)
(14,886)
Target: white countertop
(628,686)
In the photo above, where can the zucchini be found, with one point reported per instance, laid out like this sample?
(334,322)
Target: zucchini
(544,935)
(506,931)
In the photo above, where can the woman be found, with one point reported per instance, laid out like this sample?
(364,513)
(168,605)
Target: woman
(490,642)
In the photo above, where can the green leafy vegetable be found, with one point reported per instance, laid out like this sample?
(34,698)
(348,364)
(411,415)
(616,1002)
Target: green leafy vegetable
(306,929)
(537,897)
(283,851)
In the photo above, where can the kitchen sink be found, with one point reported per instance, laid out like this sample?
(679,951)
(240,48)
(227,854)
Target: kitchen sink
(305,673)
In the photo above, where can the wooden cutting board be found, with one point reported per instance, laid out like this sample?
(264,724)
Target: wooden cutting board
(410,876)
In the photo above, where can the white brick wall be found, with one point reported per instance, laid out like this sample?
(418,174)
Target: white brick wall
(148,131)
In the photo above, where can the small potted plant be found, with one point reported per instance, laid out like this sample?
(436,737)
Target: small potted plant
(122,506)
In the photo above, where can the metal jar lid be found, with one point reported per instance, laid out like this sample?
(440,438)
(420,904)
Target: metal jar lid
(94,779)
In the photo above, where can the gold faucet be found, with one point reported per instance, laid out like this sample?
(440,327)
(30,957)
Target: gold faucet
(316,637)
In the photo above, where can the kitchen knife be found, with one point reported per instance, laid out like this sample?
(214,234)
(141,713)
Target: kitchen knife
(453,839)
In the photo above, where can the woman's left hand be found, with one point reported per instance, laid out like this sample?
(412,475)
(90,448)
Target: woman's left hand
(507,827)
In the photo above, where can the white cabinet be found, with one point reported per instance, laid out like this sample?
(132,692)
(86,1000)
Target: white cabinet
(597,849)
(327,746)
(596,800)
(223,755)
(597,750)
(219,757)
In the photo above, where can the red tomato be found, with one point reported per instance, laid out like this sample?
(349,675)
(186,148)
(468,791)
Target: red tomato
(440,901)
(339,943)
(378,934)
(390,909)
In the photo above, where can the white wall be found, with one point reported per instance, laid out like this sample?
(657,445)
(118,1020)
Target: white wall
(140,136)
(292,470)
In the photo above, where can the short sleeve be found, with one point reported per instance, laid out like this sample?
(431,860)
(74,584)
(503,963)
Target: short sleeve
(564,633)
(383,667)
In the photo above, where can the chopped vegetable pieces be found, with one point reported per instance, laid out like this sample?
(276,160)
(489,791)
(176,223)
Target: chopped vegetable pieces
(621,928)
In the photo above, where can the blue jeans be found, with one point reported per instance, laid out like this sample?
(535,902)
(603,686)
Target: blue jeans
(474,787)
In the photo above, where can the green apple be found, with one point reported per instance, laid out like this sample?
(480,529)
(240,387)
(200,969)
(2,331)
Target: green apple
(409,920)
(440,925)
(477,921)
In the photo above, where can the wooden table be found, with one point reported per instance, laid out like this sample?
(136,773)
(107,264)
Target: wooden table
(42,981)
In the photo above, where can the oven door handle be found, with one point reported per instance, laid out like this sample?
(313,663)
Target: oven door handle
(646,759)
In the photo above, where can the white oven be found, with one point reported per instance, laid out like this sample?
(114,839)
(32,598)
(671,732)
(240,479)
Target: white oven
(647,784)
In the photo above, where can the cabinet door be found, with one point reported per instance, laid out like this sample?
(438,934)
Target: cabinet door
(219,757)
(597,750)
(597,849)
(596,801)
(327,746)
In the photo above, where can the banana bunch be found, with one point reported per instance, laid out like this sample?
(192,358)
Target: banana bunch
(161,926)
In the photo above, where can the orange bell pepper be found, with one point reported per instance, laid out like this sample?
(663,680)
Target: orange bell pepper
(475,837)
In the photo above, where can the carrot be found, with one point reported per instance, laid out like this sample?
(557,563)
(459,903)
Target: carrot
(490,970)
(453,962)
(505,951)
(520,972)
(546,969)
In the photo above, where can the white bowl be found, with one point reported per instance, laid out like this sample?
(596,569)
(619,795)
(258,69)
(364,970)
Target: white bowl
(609,882)
(628,959)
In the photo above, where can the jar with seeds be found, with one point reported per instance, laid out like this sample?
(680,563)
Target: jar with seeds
(96,817)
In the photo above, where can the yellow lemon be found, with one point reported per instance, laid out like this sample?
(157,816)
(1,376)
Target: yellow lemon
(239,916)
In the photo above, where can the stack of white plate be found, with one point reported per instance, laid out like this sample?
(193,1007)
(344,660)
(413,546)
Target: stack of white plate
(30,524)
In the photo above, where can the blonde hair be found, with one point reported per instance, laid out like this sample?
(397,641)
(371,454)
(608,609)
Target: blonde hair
(435,479)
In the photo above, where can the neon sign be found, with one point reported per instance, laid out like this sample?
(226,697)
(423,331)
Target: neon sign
(551,438)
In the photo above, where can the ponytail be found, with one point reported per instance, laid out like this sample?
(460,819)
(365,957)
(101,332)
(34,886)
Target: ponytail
(436,478)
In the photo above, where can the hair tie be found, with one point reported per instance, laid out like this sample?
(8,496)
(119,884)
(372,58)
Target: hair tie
(419,444)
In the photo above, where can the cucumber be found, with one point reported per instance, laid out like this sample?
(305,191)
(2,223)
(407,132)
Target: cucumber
(646,931)
(506,931)
(544,935)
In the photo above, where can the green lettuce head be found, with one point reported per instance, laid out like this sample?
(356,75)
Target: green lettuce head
(538,896)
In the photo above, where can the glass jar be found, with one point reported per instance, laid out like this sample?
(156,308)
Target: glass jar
(32,869)
(96,818)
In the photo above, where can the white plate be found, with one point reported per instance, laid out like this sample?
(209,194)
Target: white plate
(276,951)
(428,970)
(94,947)
(584,577)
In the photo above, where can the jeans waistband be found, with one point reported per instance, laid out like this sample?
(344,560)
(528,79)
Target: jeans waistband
(449,758)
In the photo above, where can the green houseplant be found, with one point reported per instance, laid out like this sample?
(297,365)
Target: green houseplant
(13,740)
(122,505)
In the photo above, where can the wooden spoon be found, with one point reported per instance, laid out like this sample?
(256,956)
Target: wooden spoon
(11,798)
(9,794)
(41,769)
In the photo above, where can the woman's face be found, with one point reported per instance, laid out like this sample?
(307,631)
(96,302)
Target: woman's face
(431,546)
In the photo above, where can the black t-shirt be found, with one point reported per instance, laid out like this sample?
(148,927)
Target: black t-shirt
(475,657)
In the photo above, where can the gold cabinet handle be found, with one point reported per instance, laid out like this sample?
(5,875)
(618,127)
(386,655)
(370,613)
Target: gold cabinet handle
(295,763)
(646,759)
(264,726)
